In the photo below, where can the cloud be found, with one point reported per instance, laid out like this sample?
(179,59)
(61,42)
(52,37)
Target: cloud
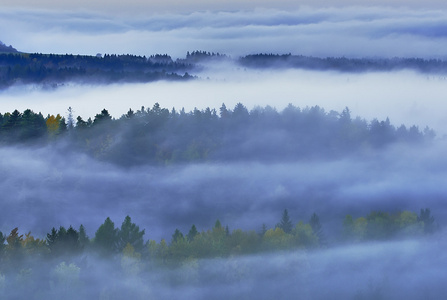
(352,31)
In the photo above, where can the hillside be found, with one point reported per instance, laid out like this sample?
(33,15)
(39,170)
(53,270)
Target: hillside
(7,49)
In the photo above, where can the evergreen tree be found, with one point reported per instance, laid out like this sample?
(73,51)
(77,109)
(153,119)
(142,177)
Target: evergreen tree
(106,238)
(314,222)
(177,236)
(2,244)
(130,234)
(84,241)
(192,233)
(51,238)
(263,230)
(102,117)
(285,224)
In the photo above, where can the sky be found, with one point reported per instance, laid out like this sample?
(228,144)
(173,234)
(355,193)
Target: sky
(318,30)
(149,7)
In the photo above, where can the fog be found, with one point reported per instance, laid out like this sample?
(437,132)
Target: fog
(49,186)
(43,188)
(54,184)
(349,31)
(405,97)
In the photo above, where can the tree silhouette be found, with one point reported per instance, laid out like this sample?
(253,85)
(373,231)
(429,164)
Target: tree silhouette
(428,220)
(285,224)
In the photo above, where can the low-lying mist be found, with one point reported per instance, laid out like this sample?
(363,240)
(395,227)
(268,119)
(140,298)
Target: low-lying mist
(57,184)
(43,188)
(404,97)
(382,270)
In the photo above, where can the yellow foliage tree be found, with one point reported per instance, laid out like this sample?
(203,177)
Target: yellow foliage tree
(304,235)
(32,245)
(53,123)
(277,239)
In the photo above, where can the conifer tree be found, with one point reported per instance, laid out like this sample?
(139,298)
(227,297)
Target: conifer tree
(285,224)
(192,233)
(177,236)
(106,238)
(314,222)
(130,233)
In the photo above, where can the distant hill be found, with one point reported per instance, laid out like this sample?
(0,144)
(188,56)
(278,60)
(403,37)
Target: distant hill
(7,49)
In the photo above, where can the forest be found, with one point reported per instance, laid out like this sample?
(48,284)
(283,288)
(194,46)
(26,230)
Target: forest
(219,150)
(159,136)
(52,70)
(60,263)
(150,151)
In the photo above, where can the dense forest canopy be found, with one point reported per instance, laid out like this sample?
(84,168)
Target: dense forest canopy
(160,136)
(55,69)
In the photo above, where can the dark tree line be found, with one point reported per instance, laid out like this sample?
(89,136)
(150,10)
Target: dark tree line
(54,69)
(159,136)
(57,69)
(343,64)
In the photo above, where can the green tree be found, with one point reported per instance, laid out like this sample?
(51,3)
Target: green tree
(177,236)
(277,239)
(84,241)
(380,225)
(104,116)
(2,244)
(217,225)
(63,241)
(192,233)
(285,224)
(14,245)
(130,234)
(314,222)
(106,238)
(304,235)
(408,223)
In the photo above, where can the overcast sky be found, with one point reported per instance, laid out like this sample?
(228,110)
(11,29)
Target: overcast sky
(235,28)
(149,7)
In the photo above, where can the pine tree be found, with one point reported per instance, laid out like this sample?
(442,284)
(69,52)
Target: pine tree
(84,241)
(314,222)
(217,225)
(130,233)
(192,233)
(106,238)
(285,224)
(177,236)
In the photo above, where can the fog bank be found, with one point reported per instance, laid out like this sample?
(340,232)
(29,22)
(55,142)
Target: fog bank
(405,97)
(44,187)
